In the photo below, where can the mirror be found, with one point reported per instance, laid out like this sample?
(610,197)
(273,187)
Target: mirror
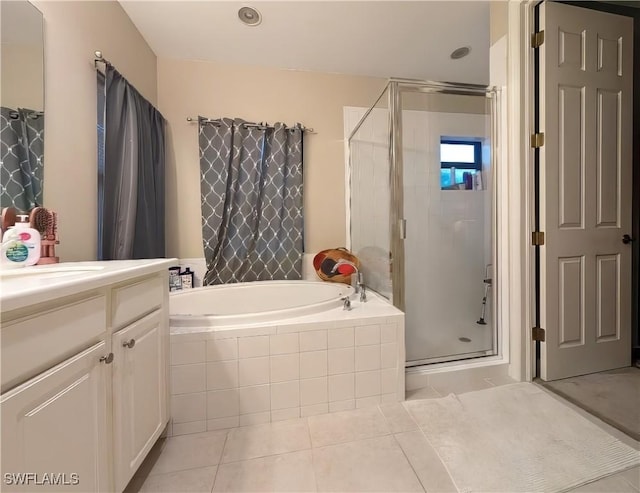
(22,105)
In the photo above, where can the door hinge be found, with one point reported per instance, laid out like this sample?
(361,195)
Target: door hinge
(537,39)
(537,334)
(537,238)
(537,140)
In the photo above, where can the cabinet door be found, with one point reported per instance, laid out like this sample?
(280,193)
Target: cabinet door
(139,393)
(55,427)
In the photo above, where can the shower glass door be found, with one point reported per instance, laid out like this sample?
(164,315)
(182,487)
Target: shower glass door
(370,192)
(448,205)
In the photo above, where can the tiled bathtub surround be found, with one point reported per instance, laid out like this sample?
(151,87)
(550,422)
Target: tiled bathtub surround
(330,362)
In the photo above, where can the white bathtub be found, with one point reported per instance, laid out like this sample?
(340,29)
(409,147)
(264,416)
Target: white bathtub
(244,354)
(254,302)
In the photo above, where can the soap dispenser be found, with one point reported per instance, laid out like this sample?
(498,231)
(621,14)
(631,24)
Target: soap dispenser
(20,244)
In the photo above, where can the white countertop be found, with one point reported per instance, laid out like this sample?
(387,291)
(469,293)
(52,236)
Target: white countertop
(30,285)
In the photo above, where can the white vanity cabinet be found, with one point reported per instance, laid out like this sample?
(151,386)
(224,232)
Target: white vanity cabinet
(139,393)
(85,379)
(56,423)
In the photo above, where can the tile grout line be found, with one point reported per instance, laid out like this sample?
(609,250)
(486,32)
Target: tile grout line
(224,446)
(446,468)
(215,476)
(313,465)
(415,473)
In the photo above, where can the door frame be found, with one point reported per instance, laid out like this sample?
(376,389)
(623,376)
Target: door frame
(521,105)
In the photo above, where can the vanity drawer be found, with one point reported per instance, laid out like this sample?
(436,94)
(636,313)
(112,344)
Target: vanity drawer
(34,343)
(133,301)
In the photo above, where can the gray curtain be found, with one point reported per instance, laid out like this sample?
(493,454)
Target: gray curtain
(251,184)
(132,205)
(22,158)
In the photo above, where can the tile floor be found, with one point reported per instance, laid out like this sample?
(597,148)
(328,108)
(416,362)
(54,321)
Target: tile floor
(347,451)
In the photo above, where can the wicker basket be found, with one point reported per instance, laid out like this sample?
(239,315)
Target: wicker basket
(336,265)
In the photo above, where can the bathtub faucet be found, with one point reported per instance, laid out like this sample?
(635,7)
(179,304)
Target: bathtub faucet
(360,287)
(346,303)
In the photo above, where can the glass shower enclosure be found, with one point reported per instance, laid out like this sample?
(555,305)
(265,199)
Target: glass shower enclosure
(422,212)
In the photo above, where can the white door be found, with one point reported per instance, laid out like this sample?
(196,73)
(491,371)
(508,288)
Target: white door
(586,65)
(55,426)
(139,393)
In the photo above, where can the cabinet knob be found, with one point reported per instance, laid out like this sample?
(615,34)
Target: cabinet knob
(107,359)
(129,344)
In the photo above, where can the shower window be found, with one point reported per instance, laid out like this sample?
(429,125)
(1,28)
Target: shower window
(460,162)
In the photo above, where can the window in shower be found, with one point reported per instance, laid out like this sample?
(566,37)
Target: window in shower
(460,164)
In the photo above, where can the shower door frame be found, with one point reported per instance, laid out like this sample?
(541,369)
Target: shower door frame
(397,226)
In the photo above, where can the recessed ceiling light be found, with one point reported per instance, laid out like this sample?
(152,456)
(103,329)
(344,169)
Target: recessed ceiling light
(460,52)
(249,16)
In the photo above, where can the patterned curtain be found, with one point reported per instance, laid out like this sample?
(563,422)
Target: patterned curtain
(22,158)
(251,184)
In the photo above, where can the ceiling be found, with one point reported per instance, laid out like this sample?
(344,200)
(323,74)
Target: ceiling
(410,39)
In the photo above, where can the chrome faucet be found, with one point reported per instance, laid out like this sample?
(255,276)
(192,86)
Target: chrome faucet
(346,303)
(360,287)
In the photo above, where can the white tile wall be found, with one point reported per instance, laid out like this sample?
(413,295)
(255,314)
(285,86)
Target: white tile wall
(254,371)
(223,380)
(222,404)
(313,391)
(284,343)
(255,399)
(341,360)
(368,358)
(341,337)
(186,379)
(285,367)
(313,364)
(188,352)
(250,347)
(222,375)
(285,395)
(342,387)
(222,349)
(338,406)
(313,340)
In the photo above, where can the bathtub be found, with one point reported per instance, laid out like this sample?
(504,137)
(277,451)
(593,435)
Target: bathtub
(254,302)
(252,353)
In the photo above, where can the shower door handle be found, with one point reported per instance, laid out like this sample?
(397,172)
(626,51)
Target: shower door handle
(403,229)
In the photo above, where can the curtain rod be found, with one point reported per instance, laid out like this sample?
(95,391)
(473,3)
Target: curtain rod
(100,59)
(261,126)
(34,115)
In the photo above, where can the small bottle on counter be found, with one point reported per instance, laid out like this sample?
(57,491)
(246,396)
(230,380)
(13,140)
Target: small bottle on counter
(175,280)
(20,245)
(186,278)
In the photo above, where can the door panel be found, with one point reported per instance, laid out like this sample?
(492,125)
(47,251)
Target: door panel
(139,393)
(571,156)
(585,193)
(608,289)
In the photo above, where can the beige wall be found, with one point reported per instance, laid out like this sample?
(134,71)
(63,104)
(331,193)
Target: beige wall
(21,76)
(445,103)
(499,20)
(192,88)
(73,31)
